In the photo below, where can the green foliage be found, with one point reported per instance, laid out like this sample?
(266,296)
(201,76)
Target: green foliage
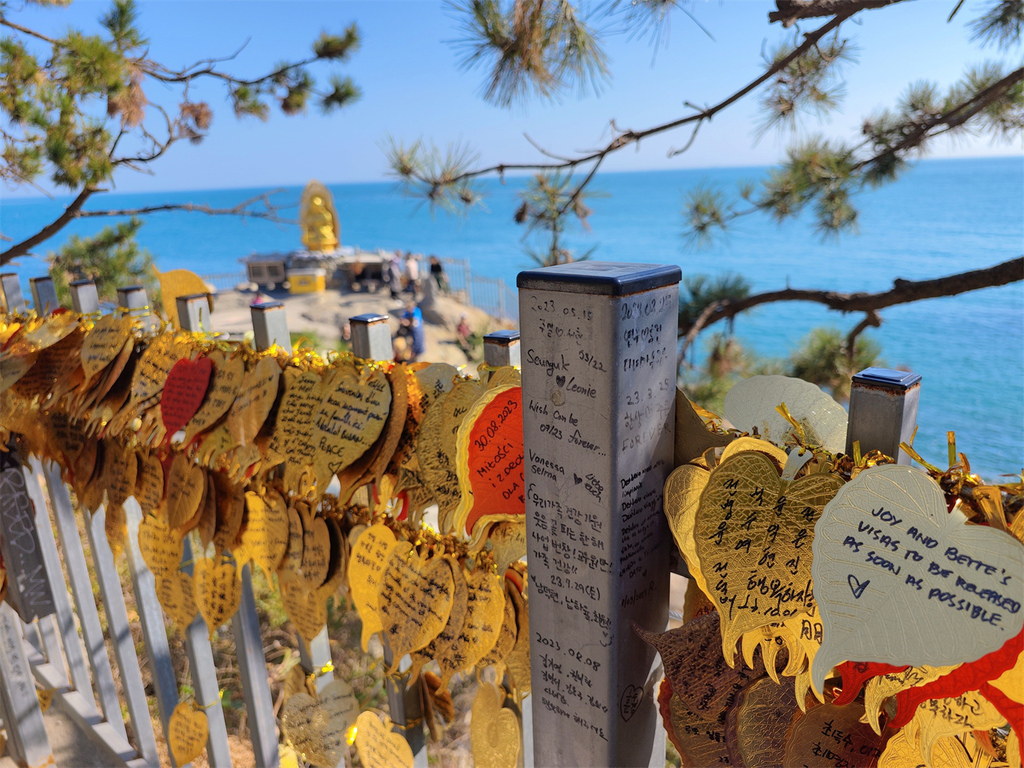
(530,47)
(435,174)
(822,358)
(112,258)
(700,291)
(544,203)
(1001,25)
(51,89)
(808,83)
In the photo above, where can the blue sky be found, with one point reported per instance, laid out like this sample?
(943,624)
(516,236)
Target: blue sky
(414,87)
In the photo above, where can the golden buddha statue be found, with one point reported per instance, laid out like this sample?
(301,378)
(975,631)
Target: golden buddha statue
(318,219)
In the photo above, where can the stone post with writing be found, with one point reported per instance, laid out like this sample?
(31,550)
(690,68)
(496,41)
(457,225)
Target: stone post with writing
(598,362)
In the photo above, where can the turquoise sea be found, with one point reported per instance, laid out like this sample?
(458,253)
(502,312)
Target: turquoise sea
(945,216)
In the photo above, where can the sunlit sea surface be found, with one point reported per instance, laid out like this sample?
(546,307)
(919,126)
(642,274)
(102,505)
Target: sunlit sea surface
(945,216)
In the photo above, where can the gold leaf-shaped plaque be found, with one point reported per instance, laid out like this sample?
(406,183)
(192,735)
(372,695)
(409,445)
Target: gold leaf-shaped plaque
(699,736)
(316,726)
(415,600)
(230,509)
(305,606)
(881,687)
(292,563)
(518,662)
(752,522)
(378,746)
(508,543)
(149,485)
(494,730)
(757,723)
(830,735)
(120,468)
(186,486)
(154,365)
(506,639)
(936,719)
(438,647)
(316,551)
(682,500)
(218,591)
(291,439)
(700,675)
(254,401)
(224,383)
(485,611)
(367,563)
(161,547)
(177,597)
(437,451)
(349,418)
(187,732)
(265,537)
(103,343)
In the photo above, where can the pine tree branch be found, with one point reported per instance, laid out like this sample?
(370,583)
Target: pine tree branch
(629,137)
(952,118)
(242,209)
(902,292)
(791,11)
(70,213)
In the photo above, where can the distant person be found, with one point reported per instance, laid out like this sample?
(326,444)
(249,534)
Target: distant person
(395,276)
(462,336)
(437,273)
(412,273)
(412,320)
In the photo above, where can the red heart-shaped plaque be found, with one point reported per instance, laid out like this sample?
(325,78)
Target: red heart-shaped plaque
(184,390)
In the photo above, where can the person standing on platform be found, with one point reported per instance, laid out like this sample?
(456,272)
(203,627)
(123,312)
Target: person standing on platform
(395,275)
(438,275)
(412,273)
(412,319)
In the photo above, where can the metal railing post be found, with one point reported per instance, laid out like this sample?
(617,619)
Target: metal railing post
(10,292)
(610,353)
(84,297)
(44,295)
(502,348)
(883,411)
(270,325)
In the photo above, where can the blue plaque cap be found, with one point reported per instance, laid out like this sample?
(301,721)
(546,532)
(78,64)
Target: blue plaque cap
(887,378)
(603,278)
(264,305)
(77,283)
(503,335)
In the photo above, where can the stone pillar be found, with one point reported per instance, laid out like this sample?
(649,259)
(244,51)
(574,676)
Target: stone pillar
(44,295)
(84,297)
(598,343)
(883,411)
(270,325)
(503,348)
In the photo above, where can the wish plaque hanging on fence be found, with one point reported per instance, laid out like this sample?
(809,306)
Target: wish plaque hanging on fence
(29,588)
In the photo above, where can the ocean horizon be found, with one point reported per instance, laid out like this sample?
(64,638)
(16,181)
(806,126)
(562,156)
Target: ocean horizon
(943,217)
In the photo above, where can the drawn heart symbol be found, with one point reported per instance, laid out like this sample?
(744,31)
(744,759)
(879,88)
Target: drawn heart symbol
(184,390)
(560,381)
(629,703)
(856,586)
(576,478)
